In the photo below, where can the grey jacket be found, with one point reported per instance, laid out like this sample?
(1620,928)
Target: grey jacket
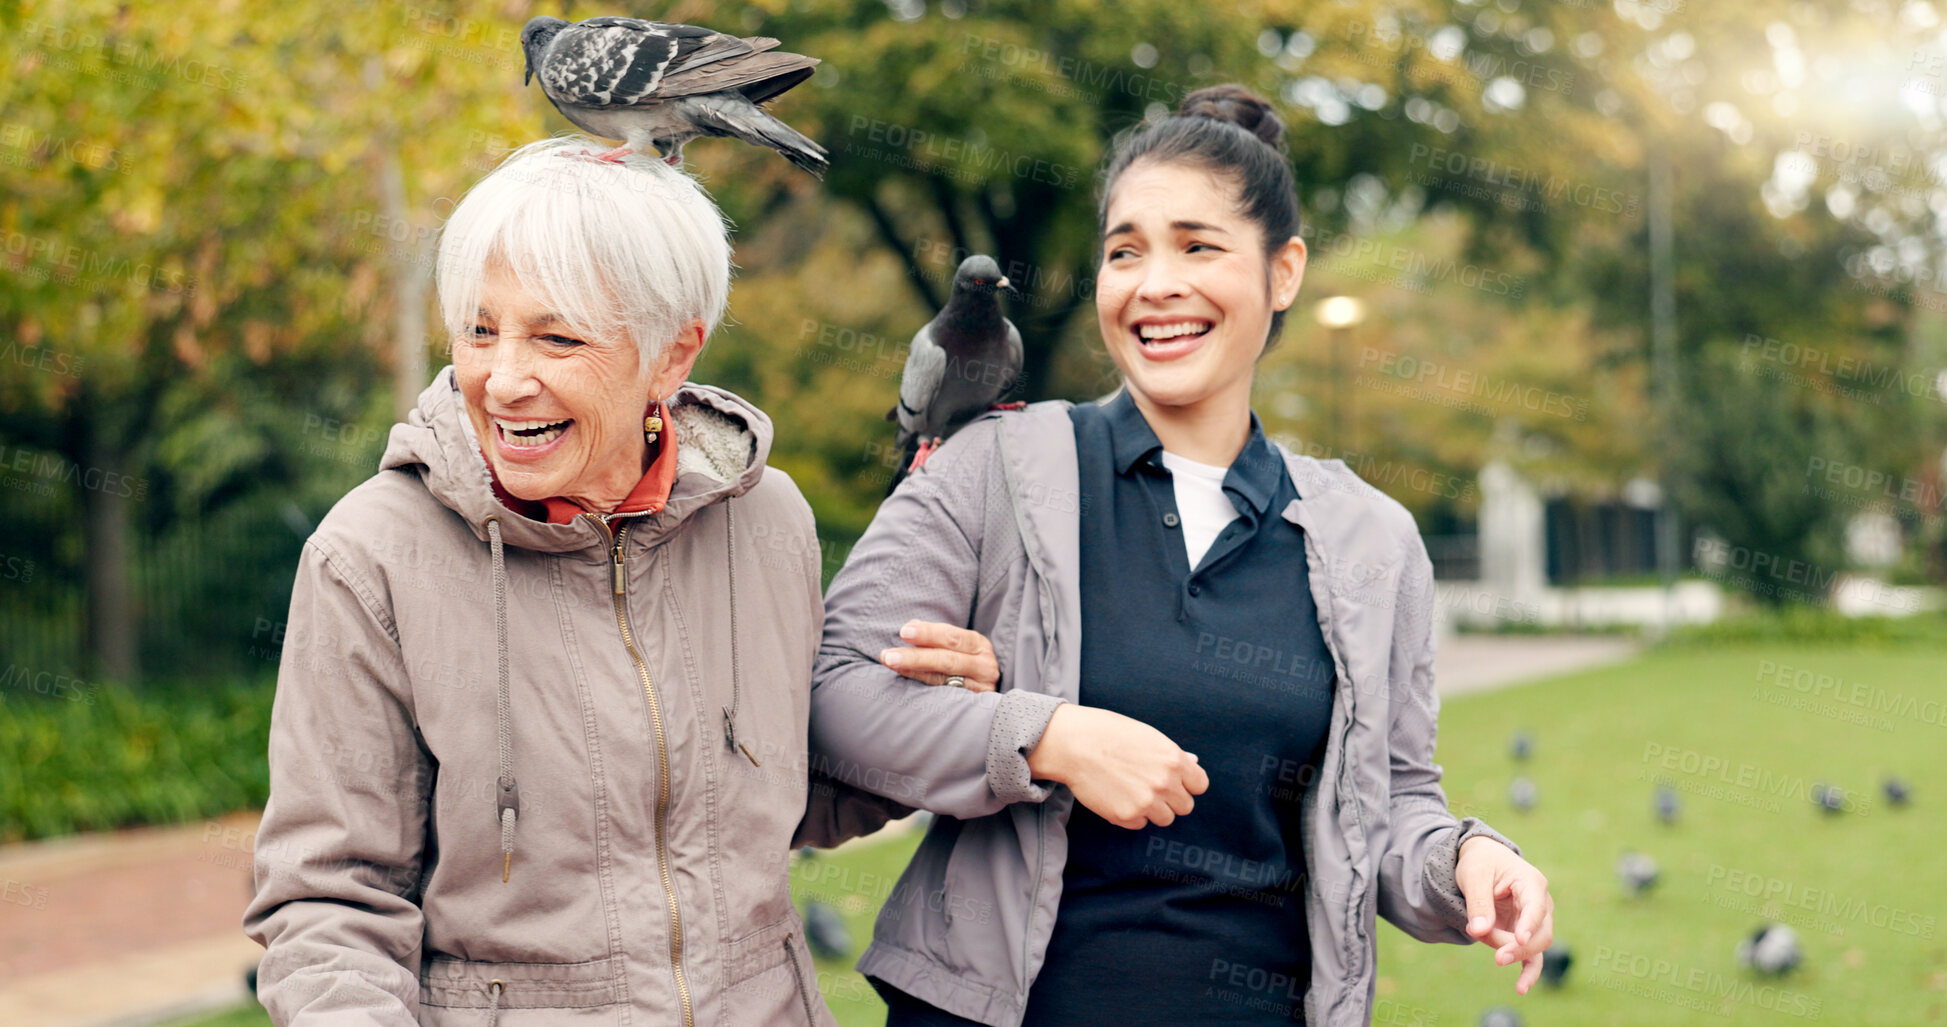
(987,536)
(441,648)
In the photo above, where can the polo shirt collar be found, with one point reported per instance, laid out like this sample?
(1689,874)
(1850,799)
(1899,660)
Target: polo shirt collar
(1257,471)
(1131,439)
(1254,475)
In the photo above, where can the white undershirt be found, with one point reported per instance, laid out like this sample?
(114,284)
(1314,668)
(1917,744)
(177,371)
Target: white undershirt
(1200,503)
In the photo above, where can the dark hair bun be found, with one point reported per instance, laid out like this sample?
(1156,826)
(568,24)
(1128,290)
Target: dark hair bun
(1239,106)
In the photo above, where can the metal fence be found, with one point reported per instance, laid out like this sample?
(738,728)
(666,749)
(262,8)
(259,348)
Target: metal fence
(208,597)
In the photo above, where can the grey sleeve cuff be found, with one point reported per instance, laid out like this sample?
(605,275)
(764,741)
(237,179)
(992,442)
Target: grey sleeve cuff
(1018,725)
(1443,892)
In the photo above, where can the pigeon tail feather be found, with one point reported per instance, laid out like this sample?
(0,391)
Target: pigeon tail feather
(729,114)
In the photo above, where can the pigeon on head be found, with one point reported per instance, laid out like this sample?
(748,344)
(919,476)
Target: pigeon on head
(961,363)
(652,84)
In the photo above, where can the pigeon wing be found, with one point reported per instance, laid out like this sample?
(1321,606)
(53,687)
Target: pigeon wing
(920,384)
(615,62)
(1012,356)
(717,47)
(759,75)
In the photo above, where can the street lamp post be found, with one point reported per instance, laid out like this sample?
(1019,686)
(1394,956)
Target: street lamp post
(1663,373)
(1340,314)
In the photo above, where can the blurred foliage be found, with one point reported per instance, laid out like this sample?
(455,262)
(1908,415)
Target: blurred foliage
(87,757)
(199,271)
(214,223)
(1809,625)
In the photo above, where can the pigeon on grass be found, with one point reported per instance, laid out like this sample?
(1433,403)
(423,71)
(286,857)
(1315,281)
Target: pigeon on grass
(960,364)
(648,84)
(1555,961)
(1501,1016)
(1668,806)
(1637,872)
(825,931)
(1771,950)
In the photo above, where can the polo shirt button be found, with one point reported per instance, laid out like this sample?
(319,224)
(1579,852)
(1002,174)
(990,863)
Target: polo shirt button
(1171,520)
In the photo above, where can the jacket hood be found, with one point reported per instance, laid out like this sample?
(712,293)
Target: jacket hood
(722,445)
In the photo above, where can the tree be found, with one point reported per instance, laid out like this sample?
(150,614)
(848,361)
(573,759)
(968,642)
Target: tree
(190,205)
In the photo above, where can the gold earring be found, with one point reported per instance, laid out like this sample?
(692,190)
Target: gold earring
(652,425)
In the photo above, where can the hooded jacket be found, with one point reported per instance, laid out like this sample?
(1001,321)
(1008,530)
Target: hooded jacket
(544,773)
(988,536)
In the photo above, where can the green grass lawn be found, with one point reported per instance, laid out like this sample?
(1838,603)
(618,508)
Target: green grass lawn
(1865,889)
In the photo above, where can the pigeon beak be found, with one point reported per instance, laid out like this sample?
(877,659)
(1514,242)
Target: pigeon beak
(527,75)
(1005,284)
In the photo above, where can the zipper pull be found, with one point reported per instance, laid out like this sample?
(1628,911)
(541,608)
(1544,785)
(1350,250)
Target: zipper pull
(730,735)
(621,581)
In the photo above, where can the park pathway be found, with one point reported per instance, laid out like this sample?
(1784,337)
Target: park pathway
(1476,663)
(140,927)
(129,927)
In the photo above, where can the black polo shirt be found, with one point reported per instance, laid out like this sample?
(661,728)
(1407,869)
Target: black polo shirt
(1202,921)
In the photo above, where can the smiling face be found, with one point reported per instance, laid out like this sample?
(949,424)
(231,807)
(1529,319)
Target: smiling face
(559,411)
(1185,292)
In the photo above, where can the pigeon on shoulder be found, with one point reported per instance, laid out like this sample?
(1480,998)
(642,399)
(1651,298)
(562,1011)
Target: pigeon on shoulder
(961,363)
(649,83)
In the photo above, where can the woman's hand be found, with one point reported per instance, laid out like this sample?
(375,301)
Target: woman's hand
(1129,773)
(936,651)
(1508,905)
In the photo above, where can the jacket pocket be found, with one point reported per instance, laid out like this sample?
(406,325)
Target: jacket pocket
(760,950)
(770,978)
(445,981)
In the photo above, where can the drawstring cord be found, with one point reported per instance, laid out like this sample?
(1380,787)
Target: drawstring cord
(495,988)
(736,664)
(509,790)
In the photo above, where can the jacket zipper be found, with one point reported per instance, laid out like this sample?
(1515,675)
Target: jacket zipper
(662,777)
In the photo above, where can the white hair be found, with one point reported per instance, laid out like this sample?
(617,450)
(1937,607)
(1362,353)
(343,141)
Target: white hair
(633,248)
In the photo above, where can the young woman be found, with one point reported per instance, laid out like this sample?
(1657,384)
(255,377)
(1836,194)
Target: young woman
(1210,763)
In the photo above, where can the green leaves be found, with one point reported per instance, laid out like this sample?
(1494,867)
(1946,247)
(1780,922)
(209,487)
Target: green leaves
(91,758)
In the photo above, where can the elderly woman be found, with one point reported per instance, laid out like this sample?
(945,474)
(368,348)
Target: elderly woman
(538,750)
